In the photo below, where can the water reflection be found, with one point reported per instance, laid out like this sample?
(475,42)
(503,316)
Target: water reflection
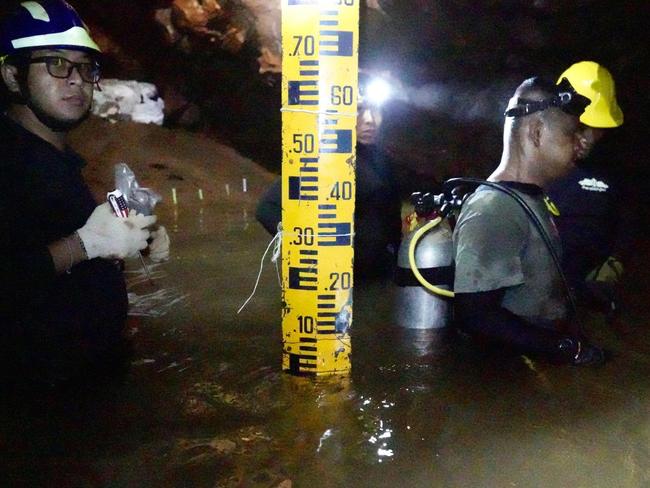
(420,407)
(379,438)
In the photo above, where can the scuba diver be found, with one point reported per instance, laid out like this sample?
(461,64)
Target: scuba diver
(507,287)
(592,195)
(377,214)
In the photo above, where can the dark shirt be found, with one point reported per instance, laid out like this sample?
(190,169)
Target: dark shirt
(591,205)
(377,214)
(43,198)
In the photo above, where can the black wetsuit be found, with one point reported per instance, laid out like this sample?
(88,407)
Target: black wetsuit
(377,214)
(51,324)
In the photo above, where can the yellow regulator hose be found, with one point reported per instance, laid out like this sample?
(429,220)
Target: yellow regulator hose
(414,242)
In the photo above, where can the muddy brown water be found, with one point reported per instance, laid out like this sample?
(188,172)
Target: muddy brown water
(206,404)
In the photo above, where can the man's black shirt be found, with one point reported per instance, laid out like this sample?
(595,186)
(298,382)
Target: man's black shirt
(377,214)
(44,198)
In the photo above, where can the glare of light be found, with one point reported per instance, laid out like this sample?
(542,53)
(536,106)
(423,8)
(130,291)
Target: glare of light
(386,434)
(326,435)
(378,91)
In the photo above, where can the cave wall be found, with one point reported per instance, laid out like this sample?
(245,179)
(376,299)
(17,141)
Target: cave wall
(479,51)
(217,63)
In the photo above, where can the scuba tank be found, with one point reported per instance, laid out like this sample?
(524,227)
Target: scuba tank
(417,307)
(422,304)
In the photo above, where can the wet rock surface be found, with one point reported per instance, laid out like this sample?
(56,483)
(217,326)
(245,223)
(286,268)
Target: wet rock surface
(217,64)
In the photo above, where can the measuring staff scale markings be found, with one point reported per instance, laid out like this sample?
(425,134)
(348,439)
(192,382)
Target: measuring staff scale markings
(319,101)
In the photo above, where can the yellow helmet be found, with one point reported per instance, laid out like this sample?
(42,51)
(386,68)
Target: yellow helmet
(593,81)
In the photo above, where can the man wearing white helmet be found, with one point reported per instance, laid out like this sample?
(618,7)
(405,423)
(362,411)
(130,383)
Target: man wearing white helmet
(64,302)
(590,199)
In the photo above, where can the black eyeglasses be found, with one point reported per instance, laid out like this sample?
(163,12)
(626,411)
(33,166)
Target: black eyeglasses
(59,67)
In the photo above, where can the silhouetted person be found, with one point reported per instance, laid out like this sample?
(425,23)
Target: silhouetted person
(595,219)
(377,214)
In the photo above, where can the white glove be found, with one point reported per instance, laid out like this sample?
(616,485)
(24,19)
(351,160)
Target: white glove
(107,236)
(159,247)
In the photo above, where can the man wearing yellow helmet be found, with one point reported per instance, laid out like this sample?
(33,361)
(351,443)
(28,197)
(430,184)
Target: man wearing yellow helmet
(589,198)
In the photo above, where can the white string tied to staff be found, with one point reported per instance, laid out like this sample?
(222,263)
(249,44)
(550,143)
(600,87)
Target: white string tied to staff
(277,240)
(276,243)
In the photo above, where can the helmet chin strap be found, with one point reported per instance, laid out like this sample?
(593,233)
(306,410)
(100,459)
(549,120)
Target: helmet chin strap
(53,123)
(23,97)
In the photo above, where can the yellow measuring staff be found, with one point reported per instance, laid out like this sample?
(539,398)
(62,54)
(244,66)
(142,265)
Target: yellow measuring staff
(319,104)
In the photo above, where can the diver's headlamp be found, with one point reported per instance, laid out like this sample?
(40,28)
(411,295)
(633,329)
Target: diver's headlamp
(378,91)
(566,99)
(374,91)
